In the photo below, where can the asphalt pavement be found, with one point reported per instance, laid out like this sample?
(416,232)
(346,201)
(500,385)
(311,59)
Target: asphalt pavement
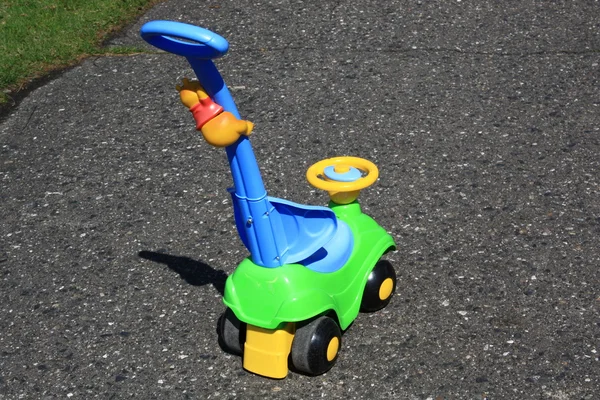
(117,231)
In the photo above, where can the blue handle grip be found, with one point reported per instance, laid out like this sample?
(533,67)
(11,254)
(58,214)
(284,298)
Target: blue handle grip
(184,39)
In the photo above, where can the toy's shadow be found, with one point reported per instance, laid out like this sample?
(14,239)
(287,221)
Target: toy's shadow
(193,272)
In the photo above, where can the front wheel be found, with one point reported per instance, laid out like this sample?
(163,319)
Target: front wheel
(316,345)
(231,333)
(379,288)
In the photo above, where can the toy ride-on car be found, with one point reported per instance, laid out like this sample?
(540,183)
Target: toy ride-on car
(311,269)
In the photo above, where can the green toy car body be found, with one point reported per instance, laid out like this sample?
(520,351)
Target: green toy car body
(269,297)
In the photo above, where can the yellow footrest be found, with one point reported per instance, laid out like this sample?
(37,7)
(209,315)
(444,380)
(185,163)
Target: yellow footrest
(266,351)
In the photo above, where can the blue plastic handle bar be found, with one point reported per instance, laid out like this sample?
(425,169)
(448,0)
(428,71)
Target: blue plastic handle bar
(184,39)
(199,46)
(259,219)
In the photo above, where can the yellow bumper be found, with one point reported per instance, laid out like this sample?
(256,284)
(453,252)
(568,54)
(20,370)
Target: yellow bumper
(266,351)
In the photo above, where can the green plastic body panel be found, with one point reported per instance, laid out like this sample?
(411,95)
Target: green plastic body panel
(268,297)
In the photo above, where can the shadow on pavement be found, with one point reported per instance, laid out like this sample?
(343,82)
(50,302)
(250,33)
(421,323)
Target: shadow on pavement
(193,272)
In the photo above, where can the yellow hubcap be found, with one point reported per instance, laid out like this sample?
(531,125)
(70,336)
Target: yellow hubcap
(385,290)
(333,348)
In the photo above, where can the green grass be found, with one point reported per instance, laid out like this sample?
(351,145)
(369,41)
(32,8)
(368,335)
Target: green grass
(39,36)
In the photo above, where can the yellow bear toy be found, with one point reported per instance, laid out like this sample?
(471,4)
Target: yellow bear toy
(219,128)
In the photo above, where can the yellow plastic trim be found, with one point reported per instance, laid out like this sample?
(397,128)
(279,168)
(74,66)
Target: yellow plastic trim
(332,348)
(316,174)
(266,351)
(386,288)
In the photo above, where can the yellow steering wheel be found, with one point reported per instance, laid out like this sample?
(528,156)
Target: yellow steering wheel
(342,177)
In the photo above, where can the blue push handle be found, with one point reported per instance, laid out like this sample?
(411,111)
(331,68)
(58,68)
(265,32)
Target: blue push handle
(263,233)
(184,39)
(199,46)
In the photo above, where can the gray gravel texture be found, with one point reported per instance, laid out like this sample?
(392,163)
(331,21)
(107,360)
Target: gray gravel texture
(484,118)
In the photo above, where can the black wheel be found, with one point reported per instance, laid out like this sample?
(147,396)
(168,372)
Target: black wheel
(379,288)
(232,333)
(316,345)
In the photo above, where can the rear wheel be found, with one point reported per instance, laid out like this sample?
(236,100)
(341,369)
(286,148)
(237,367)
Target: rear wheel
(231,333)
(379,288)
(316,345)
